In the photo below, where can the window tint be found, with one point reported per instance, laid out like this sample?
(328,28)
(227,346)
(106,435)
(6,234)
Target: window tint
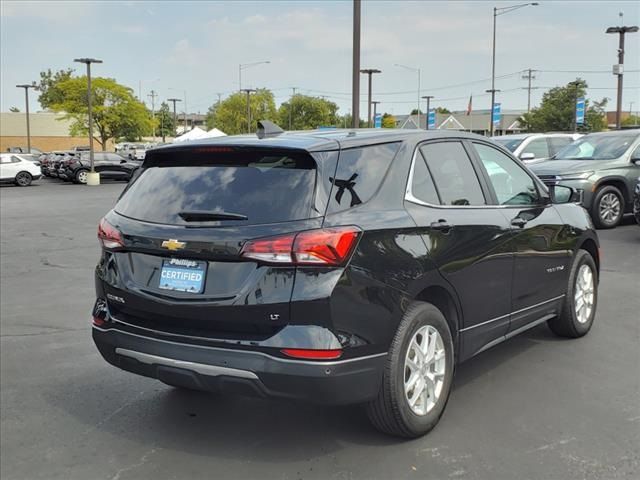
(360,173)
(558,143)
(538,147)
(422,186)
(266,186)
(15,159)
(513,186)
(453,173)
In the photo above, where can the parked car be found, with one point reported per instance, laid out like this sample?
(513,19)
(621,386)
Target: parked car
(108,165)
(135,151)
(306,266)
(636,202)
(56,166)
(24,150)
(536,147)
(16,169)
(605,167)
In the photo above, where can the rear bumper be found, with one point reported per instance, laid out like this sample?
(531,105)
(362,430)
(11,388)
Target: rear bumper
(242,371)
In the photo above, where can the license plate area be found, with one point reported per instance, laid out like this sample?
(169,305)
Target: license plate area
(180,275)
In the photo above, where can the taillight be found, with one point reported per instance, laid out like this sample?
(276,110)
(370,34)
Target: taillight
(326,246)
(312,354)
(109,235)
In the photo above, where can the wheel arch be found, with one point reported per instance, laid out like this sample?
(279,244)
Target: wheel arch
(444,300)
(590,246)
(617,182)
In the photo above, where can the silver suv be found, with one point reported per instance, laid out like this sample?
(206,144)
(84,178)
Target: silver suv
(535,147)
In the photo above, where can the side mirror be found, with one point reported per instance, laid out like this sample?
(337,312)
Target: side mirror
(527,156)
(123,161)
(636,161)
(564,194)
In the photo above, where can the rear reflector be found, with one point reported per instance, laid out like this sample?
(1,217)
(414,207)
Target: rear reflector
(312,354)
(109,236)
(326,246)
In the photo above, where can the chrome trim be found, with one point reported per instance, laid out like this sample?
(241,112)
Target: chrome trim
(512,313)
(248,352)
(204,369)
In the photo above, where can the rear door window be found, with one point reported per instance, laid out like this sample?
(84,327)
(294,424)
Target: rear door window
(538,147)
(558,143)
(453,173)
(422,186)
(264,186)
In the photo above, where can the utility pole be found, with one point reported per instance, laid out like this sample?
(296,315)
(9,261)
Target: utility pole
(175,118)
(375,111)
(369,72)
(153,96)
(428,99)
(248,91)
(291,106)
(26,87)
(576,85)
(355,77)
(619,68)
(529,76)
(93,177)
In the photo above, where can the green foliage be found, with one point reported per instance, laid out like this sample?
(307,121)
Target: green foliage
(388,121)
(50,93)
(344,121)
(303,112)
(442,110)
(557,110)
(116,112)
(230,115)
(14,110)
(415,111)
(631,121)
(164,122)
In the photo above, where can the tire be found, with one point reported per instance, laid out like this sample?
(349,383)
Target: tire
(608,207)
(23,179)
(575,322)
(391,412)
(81,176)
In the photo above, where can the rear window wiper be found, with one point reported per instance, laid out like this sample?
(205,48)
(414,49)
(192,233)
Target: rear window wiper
(205,216)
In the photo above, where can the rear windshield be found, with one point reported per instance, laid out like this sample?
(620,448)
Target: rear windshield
(263,186)
(509,143)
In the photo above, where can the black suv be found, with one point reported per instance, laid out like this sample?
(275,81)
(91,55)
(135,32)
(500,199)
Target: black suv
(108,165)
(337,266)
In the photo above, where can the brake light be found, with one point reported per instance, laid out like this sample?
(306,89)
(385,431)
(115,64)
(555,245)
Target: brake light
(312,354)
(327,246)
(109,236)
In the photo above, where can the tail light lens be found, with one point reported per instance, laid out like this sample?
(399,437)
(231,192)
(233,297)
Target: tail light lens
(326,246)
(109,236)
(312,354)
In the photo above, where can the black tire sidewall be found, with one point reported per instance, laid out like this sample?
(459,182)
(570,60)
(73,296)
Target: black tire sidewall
(422,314)
(27,175)
(602,191)
(582,258)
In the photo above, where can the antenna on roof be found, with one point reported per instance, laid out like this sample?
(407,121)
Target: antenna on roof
(268,129)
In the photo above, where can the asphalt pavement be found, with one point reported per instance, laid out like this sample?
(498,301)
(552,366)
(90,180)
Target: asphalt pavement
(536,407)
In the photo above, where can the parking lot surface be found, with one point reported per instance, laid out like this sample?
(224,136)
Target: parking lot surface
(536,407)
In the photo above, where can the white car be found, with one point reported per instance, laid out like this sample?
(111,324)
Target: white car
(535,147)
(18,170)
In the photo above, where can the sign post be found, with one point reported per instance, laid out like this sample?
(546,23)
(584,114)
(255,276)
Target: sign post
(580,111)
(431,118)
(377,121)
(496,115)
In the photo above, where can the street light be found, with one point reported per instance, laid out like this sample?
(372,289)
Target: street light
(369,72)
(244,66)
(175,124)
(26,87)
(496,12)
(184,117)
(248,91)
(93,178)
(619,69)
(414,70)
(428,98)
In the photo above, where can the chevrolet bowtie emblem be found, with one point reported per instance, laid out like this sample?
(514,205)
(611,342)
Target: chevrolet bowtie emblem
(173,244)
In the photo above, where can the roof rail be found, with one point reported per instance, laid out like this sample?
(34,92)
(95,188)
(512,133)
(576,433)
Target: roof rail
(268,129)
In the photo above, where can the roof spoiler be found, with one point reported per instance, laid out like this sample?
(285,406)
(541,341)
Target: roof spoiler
(268,129)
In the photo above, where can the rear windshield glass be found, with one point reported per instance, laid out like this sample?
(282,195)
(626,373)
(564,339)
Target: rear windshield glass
(509,143)
(263,186)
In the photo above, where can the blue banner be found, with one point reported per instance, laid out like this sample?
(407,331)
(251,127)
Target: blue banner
(432,119)
(377,121)
(580,111)
(496,115)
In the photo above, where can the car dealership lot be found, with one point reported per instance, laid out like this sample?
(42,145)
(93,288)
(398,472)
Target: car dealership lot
(534,407)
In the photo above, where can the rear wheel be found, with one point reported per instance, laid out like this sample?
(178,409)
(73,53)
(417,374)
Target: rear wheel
(82,175)
(417,377)
(608,207)
(23,179)
(579,309)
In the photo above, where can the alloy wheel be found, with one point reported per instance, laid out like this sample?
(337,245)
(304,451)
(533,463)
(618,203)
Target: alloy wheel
(609,208)
(82,176)
(23,179)
(583,294)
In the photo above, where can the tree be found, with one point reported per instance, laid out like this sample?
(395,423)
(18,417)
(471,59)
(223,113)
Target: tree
(631,121)
(388,121)
(116,112)
(230,115)
(442,110)
(557,110)
(164,122)
(415,111)
(307,113)
(50,93)
(344,121)
(14,110)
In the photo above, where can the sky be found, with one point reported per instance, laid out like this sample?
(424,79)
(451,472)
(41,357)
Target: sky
(194,48)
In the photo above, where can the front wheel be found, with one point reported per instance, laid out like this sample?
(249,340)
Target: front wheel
(23,179)
(579,309)
(608,207)
(81,176)
(418,374)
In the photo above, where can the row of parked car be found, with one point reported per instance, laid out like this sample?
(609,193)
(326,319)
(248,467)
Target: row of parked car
(73,166)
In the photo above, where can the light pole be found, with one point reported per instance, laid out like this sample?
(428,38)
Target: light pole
(496,12)
(248,91)
(291,107)
(428,99)
(153,96)
(93,178)
(375,111)
(369,72)
(619,68)
(175,125)
(26,87)
(355,74)
(244,66)
(418,71)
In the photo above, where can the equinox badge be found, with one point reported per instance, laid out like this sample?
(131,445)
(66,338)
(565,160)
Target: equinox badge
(173,244)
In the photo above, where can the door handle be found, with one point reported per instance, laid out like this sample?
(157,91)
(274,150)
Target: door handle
(518,222)
(441,225)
